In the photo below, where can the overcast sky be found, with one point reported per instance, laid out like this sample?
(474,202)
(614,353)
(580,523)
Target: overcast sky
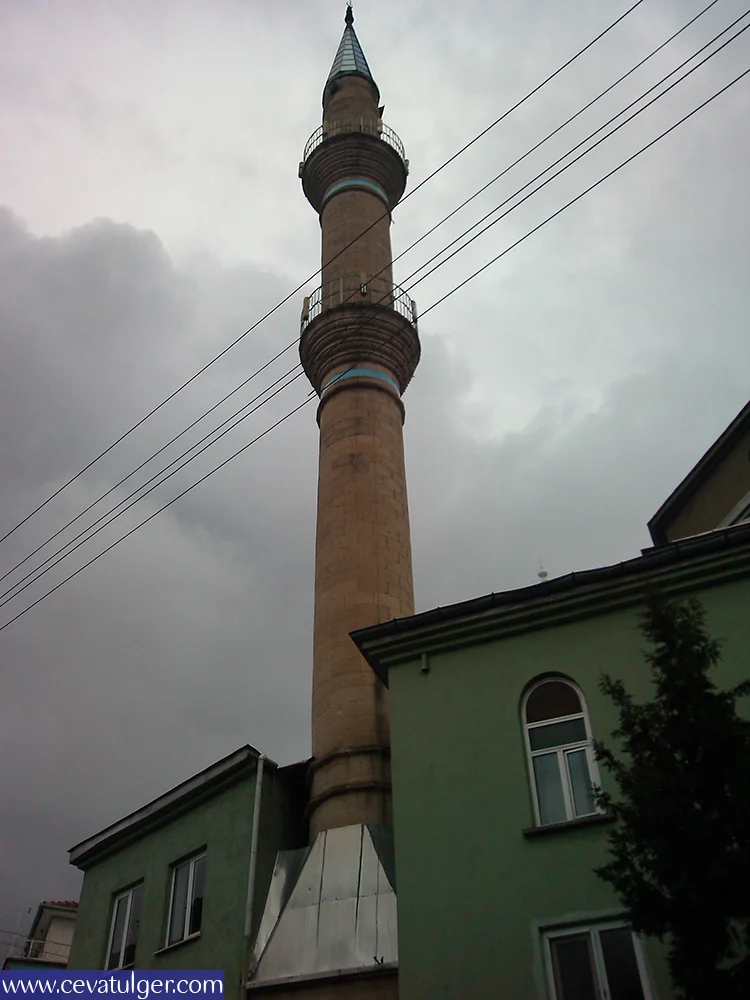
(148,165)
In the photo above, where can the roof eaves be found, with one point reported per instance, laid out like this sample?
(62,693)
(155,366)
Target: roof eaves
(567,596)
(165,807)
(703,467)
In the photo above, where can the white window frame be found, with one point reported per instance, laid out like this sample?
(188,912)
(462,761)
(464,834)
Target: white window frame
(191,879)
(561,751)
(594,929)
(128,894)
(735,515)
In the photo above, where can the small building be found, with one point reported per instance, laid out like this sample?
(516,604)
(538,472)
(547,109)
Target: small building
(49,939)
(494,705)
(181,882)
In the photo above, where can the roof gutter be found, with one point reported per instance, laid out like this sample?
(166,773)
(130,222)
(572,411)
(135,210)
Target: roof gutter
(717,556)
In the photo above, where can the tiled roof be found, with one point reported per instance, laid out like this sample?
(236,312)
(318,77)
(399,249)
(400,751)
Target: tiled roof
(71,904)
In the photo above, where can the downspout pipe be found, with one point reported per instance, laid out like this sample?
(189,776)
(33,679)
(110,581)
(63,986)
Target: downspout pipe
(251,870)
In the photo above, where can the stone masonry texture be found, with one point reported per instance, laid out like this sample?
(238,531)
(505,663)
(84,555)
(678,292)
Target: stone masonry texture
(363,570)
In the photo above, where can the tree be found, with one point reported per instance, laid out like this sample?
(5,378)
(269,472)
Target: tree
(680,850)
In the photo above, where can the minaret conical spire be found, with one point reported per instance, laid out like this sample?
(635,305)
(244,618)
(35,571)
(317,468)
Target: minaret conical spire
(350,59)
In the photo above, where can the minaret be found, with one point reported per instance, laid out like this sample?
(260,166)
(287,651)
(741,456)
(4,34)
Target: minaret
(359,348)
(330,919)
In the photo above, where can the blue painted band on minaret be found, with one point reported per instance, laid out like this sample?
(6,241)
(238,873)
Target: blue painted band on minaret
(357,184)
(367,373)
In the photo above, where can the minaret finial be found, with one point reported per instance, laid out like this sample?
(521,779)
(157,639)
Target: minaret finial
(349,16)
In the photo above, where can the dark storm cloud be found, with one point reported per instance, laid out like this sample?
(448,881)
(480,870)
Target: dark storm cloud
(162,658)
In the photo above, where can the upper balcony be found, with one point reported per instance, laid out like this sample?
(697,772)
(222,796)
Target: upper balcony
(354,289)
(365,126)
(345,151)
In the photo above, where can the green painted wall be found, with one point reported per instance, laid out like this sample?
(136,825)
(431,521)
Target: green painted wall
(472,889)
(222,825)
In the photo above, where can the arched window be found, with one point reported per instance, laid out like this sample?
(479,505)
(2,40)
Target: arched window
(561,759)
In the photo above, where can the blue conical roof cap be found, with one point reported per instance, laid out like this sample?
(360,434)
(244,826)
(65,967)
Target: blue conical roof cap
(350,59)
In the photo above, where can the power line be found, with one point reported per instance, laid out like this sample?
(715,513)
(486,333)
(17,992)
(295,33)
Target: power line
(157,453)
(290,413)
(138,489)
(16,586)
(137,499)
(159,511)
(586,191)
(580,155)
(299,287)
(211,409)
(559,128)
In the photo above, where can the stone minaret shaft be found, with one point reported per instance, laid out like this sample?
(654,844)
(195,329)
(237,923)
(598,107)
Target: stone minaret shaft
(359,348)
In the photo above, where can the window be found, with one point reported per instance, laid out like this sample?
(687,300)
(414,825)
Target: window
(186,906)
(739,513)
(596,963)
(743,515)
(561,760)
(123,934)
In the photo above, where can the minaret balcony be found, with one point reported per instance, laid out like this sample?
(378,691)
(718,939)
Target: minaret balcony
(355,289)
(347,149)
(349,321)
(367,126)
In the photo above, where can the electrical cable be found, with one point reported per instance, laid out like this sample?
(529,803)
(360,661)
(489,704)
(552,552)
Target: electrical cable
(223,424)
(580,155)
(159,511)
(290,413)
(294,291)
(398,257)
(138,489)
(587,190)
(132,503)
(559,128)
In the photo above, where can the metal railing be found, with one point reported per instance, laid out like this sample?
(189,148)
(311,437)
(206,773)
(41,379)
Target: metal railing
(369,126)
(20,946)
(357,290)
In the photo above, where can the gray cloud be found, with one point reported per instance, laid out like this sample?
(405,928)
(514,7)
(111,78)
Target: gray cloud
(559,400)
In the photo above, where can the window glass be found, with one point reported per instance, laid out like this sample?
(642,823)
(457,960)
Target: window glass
(134,924)
(179,903)
(744,515)
(120,913)
(596,963)
(552,700)
(186,914)
(561,762)
(557,734)
(196,903)
(126,920)
(580,781)
(549,789)
(623,976)
(573,967)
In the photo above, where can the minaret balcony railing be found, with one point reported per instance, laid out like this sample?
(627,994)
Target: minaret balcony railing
(351,289)
(367,126)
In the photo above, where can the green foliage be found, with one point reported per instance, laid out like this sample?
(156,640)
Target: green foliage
(680,851)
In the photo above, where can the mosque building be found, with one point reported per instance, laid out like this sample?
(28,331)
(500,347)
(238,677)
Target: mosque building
(484,712)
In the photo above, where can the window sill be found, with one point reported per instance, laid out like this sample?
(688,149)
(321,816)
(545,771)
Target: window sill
(570,824)
(178,944)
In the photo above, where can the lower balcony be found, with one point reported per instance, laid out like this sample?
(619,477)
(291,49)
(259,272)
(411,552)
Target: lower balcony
(353,289)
